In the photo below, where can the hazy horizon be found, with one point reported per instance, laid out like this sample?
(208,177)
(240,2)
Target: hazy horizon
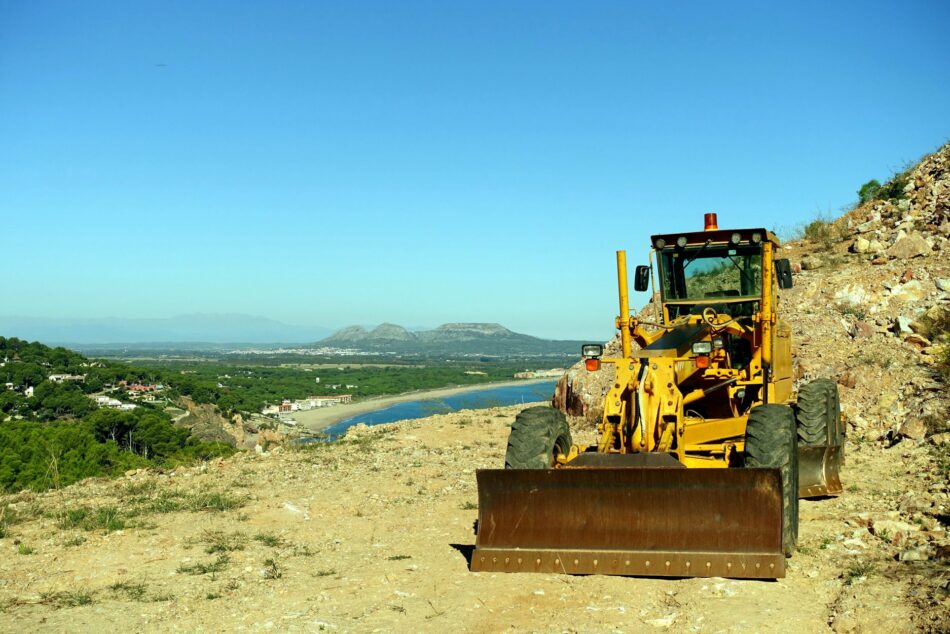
(417,163)
(191,328)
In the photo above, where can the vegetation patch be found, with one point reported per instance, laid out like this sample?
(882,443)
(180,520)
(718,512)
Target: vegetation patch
(272,569)
(67,599)
(219,564)
(269,539)
(129,590)
(822,232)
(221,542)
(176,500)
(857,572)
(107,518)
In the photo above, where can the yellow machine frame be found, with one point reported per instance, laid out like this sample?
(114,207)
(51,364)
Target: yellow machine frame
(665,423)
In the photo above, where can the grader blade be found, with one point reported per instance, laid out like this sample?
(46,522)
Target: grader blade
(643,521)
(818,471)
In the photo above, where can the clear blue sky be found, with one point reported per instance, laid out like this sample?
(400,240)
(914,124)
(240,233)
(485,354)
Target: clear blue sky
(424,162)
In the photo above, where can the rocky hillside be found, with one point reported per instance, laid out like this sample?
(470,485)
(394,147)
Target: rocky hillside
(448,339)
(871,291)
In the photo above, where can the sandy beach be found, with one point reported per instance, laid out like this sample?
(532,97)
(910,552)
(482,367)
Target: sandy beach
(317,419)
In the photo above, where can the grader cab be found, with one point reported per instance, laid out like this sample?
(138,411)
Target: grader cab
(704,448)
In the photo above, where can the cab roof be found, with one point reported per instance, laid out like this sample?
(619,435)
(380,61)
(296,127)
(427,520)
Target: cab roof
(716,236)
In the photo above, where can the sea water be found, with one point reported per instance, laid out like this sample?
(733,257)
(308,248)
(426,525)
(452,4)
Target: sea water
(477,399)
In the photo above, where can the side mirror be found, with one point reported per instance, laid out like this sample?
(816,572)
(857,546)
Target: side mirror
(783,273)
(641,279)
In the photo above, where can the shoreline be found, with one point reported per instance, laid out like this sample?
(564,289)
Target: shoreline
(321,418)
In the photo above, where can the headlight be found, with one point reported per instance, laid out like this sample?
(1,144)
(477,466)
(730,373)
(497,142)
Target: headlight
(756,237)
(717,342)
(592,350)
(702,347)
(735,238)
(681,241)
(660,243)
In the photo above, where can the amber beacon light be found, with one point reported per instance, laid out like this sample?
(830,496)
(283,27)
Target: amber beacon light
(710,222)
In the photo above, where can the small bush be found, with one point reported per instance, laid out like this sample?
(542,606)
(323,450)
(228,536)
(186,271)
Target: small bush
(23,549)
(272,569)
(894,188)
(857,571)
(868,191)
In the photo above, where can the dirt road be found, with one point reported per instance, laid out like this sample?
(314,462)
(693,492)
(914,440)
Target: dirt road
(371,534)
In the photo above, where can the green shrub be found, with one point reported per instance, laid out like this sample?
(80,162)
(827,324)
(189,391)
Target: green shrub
(894,188)
(868,191)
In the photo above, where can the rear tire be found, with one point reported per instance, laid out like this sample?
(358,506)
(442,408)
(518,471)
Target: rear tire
(819,414)
(538,436)
(770,442)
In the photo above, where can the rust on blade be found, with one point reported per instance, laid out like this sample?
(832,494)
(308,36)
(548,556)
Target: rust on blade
(595,520)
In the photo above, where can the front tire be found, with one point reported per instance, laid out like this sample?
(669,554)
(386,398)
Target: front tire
(770,442)
(538,436)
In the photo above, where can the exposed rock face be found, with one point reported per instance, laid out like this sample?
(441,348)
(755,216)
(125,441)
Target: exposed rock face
(207,423)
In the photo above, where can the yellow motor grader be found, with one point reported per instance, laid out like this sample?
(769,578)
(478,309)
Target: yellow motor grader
(704,448)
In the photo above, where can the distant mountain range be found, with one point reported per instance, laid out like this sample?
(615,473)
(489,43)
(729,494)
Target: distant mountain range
(458,338)
(196,328)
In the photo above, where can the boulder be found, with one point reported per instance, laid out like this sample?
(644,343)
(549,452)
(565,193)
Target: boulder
(909,246)
(941,440)
(861,245)
(875,247)
(911,291)
(812,262)
(917,341)
(913,428)
(861,330)
(902,325)
(915,554)
(943,283)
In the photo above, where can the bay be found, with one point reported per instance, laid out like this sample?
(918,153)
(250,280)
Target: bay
(477,399)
